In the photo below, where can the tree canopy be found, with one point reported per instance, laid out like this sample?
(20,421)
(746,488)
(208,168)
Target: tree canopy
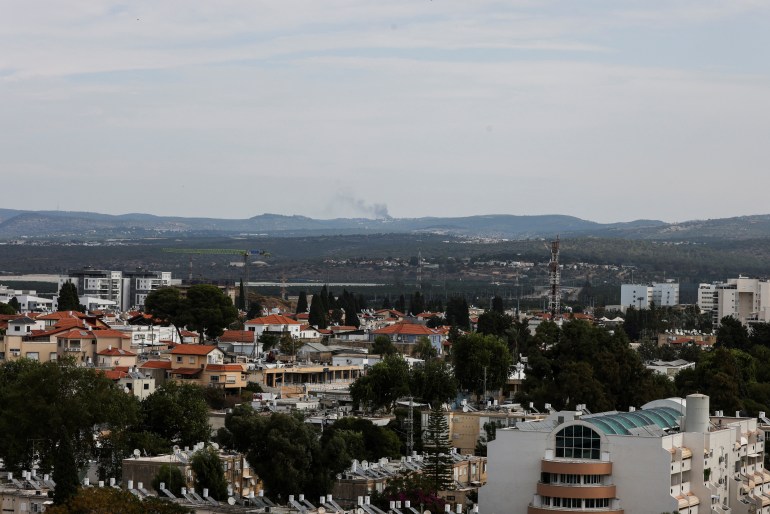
(68,297)
(209,473)
(476,356)
(205,309)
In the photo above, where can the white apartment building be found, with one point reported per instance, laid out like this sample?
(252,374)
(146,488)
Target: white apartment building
(127,289)
(745,299)
(706,297)
(668,456)
(641,296)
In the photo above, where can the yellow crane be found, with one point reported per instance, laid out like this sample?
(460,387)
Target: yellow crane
(246,254)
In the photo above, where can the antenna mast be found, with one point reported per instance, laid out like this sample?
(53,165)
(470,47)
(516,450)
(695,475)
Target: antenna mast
(554,280)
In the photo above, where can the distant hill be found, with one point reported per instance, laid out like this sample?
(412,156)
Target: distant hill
(16,224)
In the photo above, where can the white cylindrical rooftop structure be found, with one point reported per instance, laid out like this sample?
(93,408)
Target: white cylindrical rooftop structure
(697,413)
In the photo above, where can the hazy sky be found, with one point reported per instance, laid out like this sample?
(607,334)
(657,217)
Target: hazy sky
(607,110)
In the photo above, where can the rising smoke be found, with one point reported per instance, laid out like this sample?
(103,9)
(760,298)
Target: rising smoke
(378,211)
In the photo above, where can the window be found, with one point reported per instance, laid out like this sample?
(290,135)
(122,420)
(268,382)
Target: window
(35,356)
(146,387)
(577,442)
(192,360)
(179,359)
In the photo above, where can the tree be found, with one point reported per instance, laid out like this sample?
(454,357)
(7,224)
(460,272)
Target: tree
(47,402)
(386,382)
(494,323)
(438,461)
(417,303)
(268,340)
(7,308)
(171,477)
(302,303)
(209,473)
(383,346)
(286,452)
(178,413)
(65,470)
(424,349)
(165,304)
(457,312)
(208,310)
(433,382)
(68,297)
(497,305)
(289,345)
(401,304)
(14,304)
(732,334)
(108,500)
(241,297)
(318,312)
(477,356)
(364,439)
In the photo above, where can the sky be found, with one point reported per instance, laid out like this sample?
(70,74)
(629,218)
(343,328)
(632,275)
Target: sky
(606,110)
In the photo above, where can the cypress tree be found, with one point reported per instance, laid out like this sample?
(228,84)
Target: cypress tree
(241,297)
(318,313)
(438,459)
(68,297)
(302,303)
(65,471)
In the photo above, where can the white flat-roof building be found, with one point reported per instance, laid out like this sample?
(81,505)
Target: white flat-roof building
(641,296)
(668,456)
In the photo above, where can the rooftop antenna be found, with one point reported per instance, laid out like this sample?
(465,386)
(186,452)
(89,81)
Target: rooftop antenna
(554,280)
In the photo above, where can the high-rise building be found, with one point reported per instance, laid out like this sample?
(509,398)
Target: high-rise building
(127,289)
(668,456)
(745,299)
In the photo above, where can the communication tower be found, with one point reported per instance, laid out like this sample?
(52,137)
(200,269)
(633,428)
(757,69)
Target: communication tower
(554,280)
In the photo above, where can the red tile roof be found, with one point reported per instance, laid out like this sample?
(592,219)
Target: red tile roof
(117,351)
(63,315)
(187,333)
(111,333)
(76,334)
(273,319)
(235,336)
(186,371)
(114,374)
(193,349)
(157,365)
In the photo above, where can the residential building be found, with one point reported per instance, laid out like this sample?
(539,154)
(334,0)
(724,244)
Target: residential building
(299,379)
(141,469)
(408,333)
(745,299)
(642,296)
(127,289)
(84,345)
(204,365)
(706,294)
(668,456)
(274,324)
(364,478)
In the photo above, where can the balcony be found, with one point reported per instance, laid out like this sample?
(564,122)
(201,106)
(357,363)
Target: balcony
(575,467)
(73,349)
(576,491)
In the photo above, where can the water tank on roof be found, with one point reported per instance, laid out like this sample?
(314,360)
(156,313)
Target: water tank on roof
(697,413)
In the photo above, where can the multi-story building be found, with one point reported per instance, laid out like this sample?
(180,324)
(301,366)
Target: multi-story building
(641,296)
(745,299)
(706,297)
(127,289)
(668,456)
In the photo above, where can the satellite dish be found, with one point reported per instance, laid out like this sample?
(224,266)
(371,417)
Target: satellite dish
(231,500)
(137,453)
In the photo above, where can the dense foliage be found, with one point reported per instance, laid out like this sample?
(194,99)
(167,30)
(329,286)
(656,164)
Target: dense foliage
(205,309)
(107,500)
(579,363)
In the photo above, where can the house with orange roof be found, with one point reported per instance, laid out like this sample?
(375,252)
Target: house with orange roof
(204,365)
(84,345)
(408,333)
(240,342)
(274,323)
(112,357)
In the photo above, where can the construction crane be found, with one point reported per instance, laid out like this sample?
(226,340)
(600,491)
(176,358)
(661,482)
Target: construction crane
(246,254)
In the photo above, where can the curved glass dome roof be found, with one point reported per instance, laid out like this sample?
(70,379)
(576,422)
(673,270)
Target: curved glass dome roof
(619,423)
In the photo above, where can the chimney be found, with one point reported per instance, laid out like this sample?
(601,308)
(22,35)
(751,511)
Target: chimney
(205,492)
